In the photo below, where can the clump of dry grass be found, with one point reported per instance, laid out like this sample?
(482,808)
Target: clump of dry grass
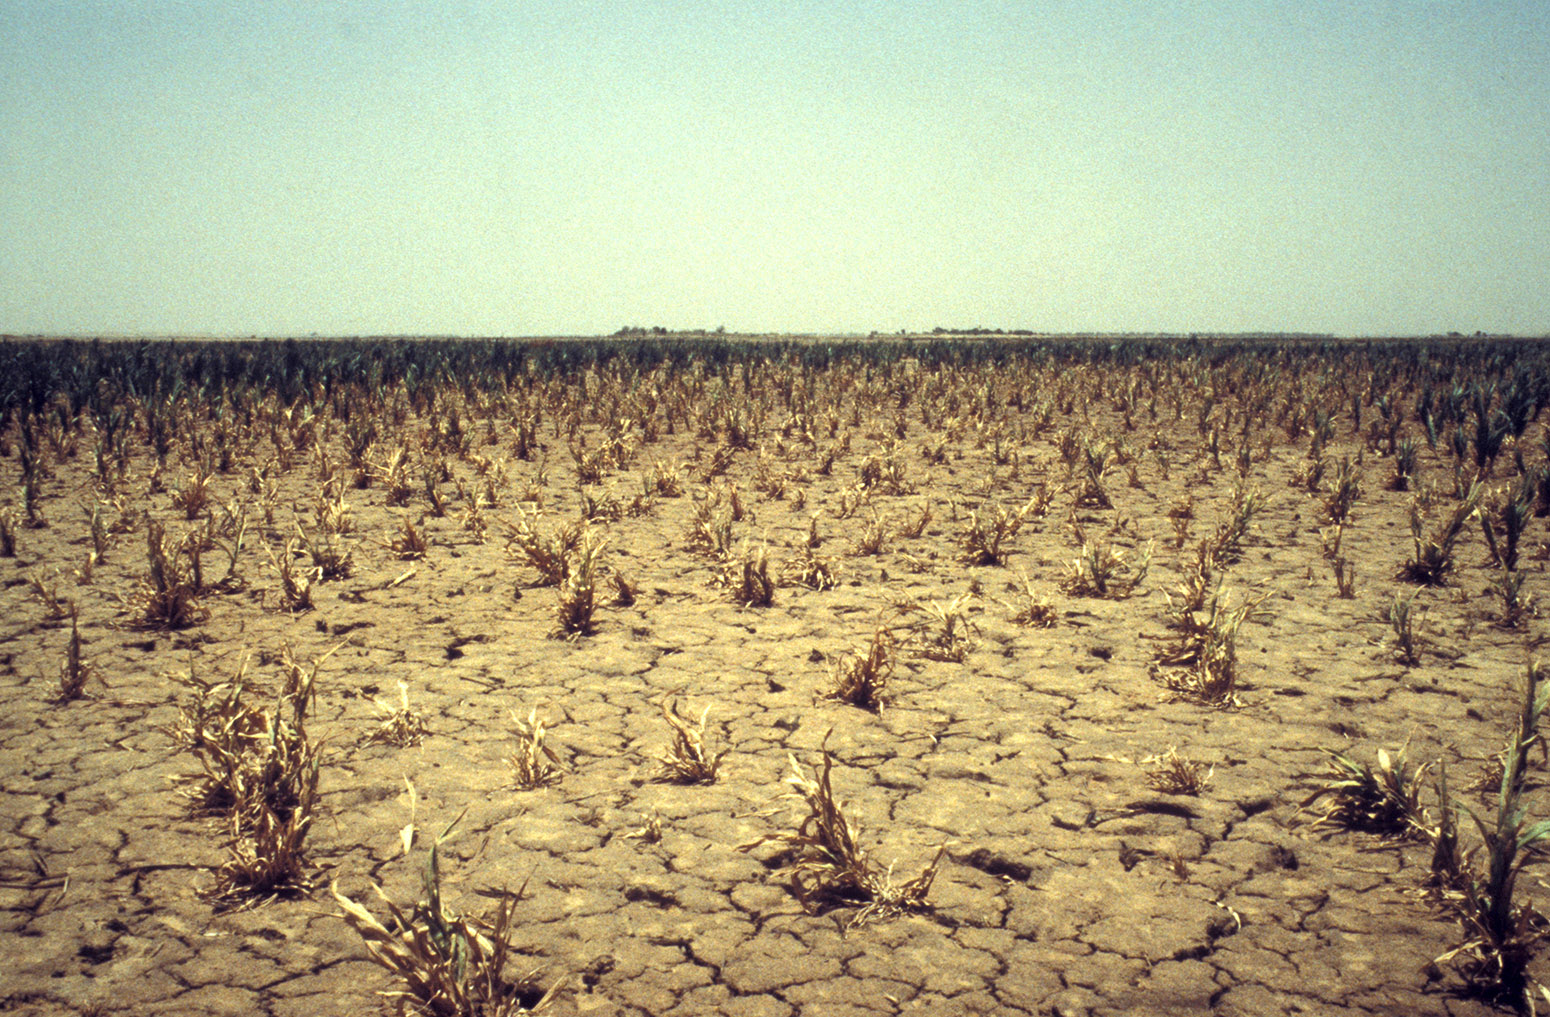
(56,607)
(1173,774)
(748,576)
(1433,559)
(1385,800)
(330,558)
(873,538)
(711,530)
(666,481)
(886,472)
(533,764)
(688,761)
(450,966)
(830,868)
(1100,571)
(410,542)
(1344,489)
(75,672)
(1031,608)
(260,770)
(193,497)
(394,475)
(1203,663)
(400,724)
(577,599)
(1227,540)
(625,588)
(547,553)
(912,529)
(810,570)
(295,581)
(169,597)
(952,635)
(985,535)
(861,679)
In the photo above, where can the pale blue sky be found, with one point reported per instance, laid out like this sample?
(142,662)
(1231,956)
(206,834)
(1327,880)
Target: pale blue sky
(567,168)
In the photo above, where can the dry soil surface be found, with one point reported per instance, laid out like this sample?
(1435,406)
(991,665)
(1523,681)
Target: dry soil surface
(1069,886)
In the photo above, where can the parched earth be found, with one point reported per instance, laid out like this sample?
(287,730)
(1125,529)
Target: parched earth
(1069,886)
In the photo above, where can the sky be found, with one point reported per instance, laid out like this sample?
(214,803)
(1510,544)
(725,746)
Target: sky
(568,168)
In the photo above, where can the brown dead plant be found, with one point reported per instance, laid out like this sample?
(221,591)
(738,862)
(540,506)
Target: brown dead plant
(168,599)
(1173,774)
(828,868)
(688,761)
(747,575)
(533,764)
(1203,663)
(861,679)
(399,724)
(450,966)
(547,553)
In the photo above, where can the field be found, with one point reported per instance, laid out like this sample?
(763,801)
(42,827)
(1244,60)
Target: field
(764,678)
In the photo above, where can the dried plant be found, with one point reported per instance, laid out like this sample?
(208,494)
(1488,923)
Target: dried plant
(1433,558)
(193,497)
(830,868)
(330,558)
(861,679)
(395,477)
(546,553)
(688,761)
(1406,651)
(711,531)
(577,595)
(533,764)
(1031,607)
(1517,606)
(873,538)
(75,672)
(1405,456)
(1100,571)
(450,966)
(473,522)
(666,481)
(1343,492)
(720,461)
(169,597)
(914,528)
(260,769)
(399,724)
(1173,774)
(1203,663)
(748,576)
(1227,541)
(56,607)
(886,473)
(810,570)
(650,831)
(952,635)
(1386,800)
(266,847)
(7,534)
(985,535)
(625,589)
(295,581)
(410,543)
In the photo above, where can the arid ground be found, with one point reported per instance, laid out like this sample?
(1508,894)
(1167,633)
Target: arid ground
(1028,739)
